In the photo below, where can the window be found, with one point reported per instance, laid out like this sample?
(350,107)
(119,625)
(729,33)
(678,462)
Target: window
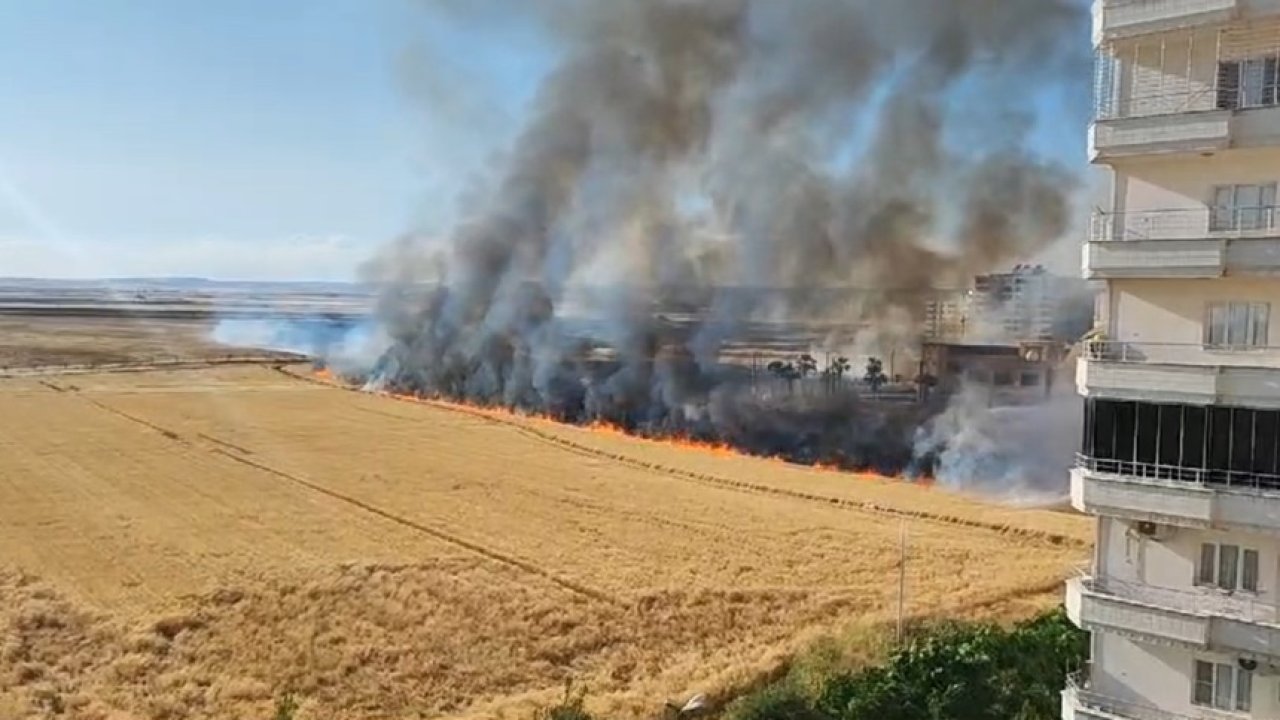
(1208,564)
(1243,207)
(1029,379)
(1259,81)
(1003,377)
(1228,567)
(1223,686)
(1223,678)
(1244,689)
(1250,83)
(1204,684)
(1237,324)
(1228,561)
(1249,571)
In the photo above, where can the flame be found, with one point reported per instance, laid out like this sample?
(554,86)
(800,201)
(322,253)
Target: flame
(604,427)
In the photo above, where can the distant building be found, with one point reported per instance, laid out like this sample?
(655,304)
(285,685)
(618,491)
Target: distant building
(1023,304)
(945,316)
(1027,304)
(1012,374)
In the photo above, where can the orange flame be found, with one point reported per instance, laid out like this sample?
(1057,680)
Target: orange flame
(603,427)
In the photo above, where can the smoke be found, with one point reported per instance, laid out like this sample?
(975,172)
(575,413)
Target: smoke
(691,168)
(348,347)
(1022,454)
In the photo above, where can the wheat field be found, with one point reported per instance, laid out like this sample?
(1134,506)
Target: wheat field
(192,543)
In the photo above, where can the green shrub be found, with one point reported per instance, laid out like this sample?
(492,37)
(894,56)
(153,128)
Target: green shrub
(286,707)
(779,701)
(572,706)
(952,671)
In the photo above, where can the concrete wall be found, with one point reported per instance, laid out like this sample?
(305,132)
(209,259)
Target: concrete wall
(1187,183)
(1173,311)
(1257,129)
(1258,8)
(1143,674)
(1171,563)
(1163,677)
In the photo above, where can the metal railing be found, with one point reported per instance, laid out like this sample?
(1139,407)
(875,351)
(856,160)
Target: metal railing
(1145,106)
(1205,600)
(1199,477)
(1186,354)
(1186,224)
(1183,102)
(1078,688)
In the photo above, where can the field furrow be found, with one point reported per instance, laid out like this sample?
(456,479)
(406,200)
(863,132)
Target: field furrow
(390,558)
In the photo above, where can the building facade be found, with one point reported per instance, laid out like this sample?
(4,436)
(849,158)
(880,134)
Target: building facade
(1027,304)
(1180,451)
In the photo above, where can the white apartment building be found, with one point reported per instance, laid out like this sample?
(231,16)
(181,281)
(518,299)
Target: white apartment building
(1026,304)
(1180,451)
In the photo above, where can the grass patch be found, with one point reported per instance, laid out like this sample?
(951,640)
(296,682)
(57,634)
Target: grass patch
(946,671)
(950,671)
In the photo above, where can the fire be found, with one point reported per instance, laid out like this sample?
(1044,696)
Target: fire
(685,443)
(603,427)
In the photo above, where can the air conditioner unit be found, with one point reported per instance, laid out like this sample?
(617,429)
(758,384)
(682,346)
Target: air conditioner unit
(1153,530)
(1260,669)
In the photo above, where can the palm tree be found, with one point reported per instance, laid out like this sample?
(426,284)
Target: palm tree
(806,365)
(784,371)
(874,376)
(835,372)
(838,367)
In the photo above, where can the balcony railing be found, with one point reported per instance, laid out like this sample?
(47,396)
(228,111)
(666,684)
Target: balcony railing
(1202,601)
(1078,688)
(1206,478)
(1188,354)
(1186,224)
(1155,105)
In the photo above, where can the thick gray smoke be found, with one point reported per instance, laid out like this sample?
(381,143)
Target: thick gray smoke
(1021,454)
(694,167)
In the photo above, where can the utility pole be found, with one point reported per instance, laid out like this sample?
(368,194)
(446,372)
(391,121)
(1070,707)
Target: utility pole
(902,575)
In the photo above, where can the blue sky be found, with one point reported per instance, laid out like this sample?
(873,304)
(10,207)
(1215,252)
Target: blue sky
(237,138)
(247,139)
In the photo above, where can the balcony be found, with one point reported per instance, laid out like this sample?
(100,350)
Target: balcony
(1191,373)
(1093,607)
(1081,702)
(1197,619)
(1184,243)
(1117,19)
(1185,132)
(1180,125)
(1174,495)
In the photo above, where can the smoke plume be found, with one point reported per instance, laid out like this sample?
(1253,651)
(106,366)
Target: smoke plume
(694,173)
(1018,453)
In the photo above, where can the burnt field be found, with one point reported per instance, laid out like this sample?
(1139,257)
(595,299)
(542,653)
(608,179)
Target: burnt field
(814,420)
